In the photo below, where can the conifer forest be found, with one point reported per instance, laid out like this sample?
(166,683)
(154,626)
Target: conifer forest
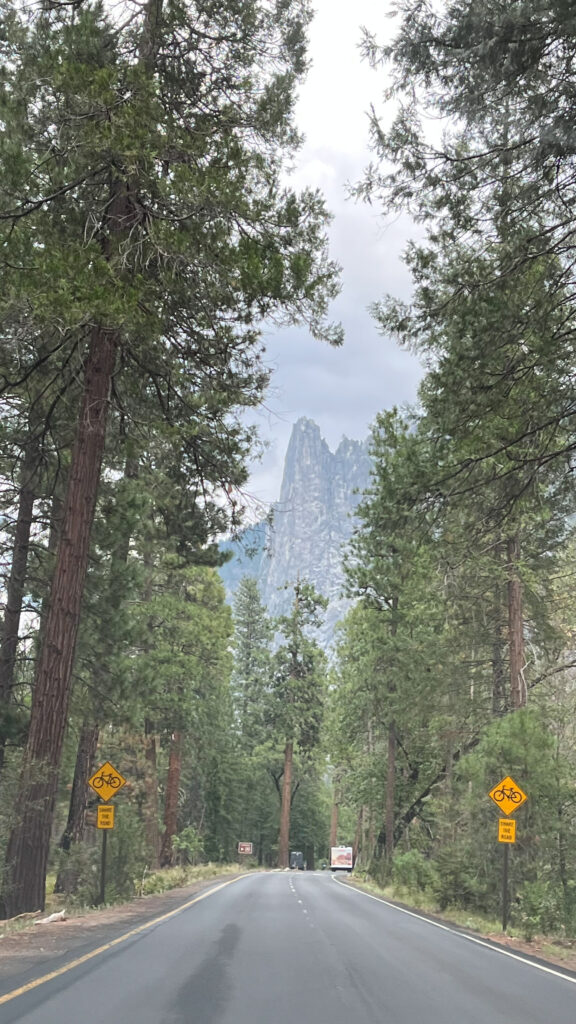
(149,233)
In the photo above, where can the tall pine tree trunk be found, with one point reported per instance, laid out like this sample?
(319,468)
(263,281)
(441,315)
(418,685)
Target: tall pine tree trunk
(499,629)
(357,842)
(390,805)
(67,879)
(151,827)
(28,847)
(54,532)
(171,804)
(515,626)
(284,836)
(499,701)
(390,795)
(156,846)
(15,588)
(334,815)
(368,840)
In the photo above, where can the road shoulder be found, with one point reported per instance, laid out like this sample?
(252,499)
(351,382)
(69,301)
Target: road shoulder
(542,949)
(39,949)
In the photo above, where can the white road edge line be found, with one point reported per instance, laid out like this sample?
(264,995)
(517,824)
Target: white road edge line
(462,935)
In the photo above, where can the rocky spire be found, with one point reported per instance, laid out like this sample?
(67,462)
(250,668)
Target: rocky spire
(312,522)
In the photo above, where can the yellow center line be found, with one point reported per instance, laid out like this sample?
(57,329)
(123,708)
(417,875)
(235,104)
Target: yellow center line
(110,945)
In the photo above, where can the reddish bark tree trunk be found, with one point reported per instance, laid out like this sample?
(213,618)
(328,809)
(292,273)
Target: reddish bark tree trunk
(390,794)
(334,817)
(515,626)
(15,585)
(357,843)
(391,767)
(368,825)
(67,879)
(27,855)
(284,836)
(500,698)
(151,828)
(171,804)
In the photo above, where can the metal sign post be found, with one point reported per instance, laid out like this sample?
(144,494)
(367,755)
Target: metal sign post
(505,895)
(105,782)
(508,797)
(102,896)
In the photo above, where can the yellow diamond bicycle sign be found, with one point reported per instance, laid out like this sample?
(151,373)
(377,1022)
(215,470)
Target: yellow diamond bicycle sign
(507,795)
(106,781)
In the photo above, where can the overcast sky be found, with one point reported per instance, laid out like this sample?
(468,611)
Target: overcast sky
(341,389)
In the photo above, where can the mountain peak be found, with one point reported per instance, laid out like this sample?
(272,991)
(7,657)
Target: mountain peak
(312,523)
(305,459)
(304,424)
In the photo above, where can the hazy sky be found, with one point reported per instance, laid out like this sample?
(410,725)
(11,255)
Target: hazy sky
(341,389)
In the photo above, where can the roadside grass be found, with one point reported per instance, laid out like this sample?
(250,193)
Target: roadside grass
(554,947)
(173,878)
(150,884)
(560,950)
(425,902)
(16,925)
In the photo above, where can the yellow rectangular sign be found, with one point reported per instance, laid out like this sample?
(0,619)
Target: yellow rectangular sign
(506,830)
(106,816)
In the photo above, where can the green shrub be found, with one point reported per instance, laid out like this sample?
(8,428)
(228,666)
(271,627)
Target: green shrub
(457,884)
(162,881)
(172,878)
(414,872)
(78,871)
(188,845)
(126,858)
(539,909)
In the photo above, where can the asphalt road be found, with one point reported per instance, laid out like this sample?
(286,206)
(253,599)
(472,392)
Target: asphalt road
(296,948)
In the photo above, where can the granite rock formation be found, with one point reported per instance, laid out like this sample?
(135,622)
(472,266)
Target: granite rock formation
(311,524)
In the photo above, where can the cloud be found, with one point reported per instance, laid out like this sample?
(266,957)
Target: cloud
(341,389)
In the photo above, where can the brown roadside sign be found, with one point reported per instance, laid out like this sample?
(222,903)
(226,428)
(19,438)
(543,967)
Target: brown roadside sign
(106,781)
(507,796)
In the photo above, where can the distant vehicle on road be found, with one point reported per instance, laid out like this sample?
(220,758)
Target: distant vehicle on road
(341,858)
(297,860)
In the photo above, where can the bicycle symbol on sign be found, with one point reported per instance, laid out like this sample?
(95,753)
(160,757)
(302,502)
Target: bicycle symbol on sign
(507,793)
(106,780)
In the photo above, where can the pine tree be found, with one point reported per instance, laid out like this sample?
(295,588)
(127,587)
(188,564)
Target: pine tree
(494,193)
(146,235)
(252,675)
(297,694)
